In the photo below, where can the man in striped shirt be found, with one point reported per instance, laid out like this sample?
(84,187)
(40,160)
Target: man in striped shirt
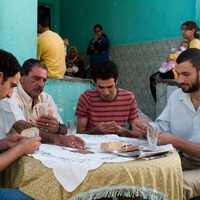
(106,109)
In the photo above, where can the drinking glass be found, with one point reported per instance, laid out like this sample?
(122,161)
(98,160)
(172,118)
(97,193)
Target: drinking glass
(152,137)
(72,126)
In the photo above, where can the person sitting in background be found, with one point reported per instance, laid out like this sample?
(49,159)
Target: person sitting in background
(179,122)
(21,111)
(106,109)
(50,46)
(75,66)
(167,69)
(190,32)
(13,146)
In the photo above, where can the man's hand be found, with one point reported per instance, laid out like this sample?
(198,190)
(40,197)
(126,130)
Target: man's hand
(28,145)
(165,138)
(96,38)
(69,141)
(12,140)
(117,128)
(66,41)
(121,131)
(105,127)
(139,127)
(48,123)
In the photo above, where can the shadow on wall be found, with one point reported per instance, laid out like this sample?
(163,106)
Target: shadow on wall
(136,63)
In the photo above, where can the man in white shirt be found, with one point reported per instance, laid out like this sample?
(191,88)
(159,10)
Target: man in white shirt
(179,123)
(15,145)
(21,111)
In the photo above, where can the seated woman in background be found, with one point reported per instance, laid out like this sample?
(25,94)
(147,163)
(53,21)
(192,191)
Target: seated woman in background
(75,66)
(190,32)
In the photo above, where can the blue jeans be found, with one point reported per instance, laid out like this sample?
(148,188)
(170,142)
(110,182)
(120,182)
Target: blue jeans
(13,194)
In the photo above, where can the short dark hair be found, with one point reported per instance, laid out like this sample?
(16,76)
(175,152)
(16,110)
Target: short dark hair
(9,64)
(98,26)
(29,64)
(192,55)
(44,16)
(184,42)
(104,70)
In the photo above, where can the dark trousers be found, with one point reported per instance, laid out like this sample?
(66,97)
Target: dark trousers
(156,76)
(13,194)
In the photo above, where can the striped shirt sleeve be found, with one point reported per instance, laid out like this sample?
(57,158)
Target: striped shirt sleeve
(82,109)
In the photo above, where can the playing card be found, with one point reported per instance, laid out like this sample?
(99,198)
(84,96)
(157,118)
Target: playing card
(30,132)
(41,109)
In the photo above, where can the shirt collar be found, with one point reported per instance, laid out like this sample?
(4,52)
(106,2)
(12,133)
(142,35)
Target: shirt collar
(186,99)
(184,96)
(25,96)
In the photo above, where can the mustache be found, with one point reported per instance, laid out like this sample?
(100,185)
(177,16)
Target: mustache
(38,88)
(182,84)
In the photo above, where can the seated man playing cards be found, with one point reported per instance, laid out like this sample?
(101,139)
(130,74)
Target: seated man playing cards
(15,145)
(31,107)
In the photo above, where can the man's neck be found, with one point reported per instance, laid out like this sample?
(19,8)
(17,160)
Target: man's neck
(111,97)
(34,99)
(192,38)
(45,29)
(195,98)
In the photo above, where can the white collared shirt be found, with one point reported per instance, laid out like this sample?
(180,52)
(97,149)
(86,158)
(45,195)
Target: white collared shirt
(180,117)
(19,107)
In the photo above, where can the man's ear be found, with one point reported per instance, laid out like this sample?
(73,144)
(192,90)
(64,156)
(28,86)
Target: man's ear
(116,82)
(1,77)
(199,76)
(22,79)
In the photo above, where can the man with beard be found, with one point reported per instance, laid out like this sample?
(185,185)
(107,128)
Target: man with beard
(21,111)
(179,123)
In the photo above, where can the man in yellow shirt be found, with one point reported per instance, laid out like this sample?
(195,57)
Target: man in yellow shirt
(50,47)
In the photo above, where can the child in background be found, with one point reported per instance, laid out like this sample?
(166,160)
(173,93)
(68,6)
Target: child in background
(167,70)
(171,59)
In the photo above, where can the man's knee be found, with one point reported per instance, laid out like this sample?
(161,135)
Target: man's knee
(191,183)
